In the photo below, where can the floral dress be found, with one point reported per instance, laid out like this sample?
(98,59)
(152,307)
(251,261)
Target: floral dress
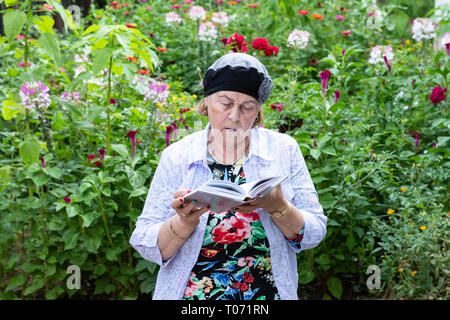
(234,261)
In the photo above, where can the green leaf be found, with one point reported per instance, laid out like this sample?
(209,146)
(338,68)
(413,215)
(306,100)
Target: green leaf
(120,149)
(45,24)
(138,192)
(10,109)
(327,200)
(93,28)
(29,150)
(101,59)
(54,172)
(38,283)
(335,287)
(16,281)
(50,45)
(65,15)
(305,276)
(72,210)
(13,21)
(4,177)
(315,153)
(54,293)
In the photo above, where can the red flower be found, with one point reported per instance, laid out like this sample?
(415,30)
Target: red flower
(143,71)
(67,199)
(131,25)
(438,95)
(161,49)
(112,101)
(260,44)
(303,12)
(237,43)
(278,107)
(115,5)
(337,94)
(132,135)
(244,287)
(324,77)
(346,33)
(91,156)
(271,51)
(102,153)
(387,63)
(43,163)
(231,230)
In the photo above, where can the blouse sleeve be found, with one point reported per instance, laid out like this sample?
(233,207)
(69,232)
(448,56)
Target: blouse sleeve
(306,199)
(157,209)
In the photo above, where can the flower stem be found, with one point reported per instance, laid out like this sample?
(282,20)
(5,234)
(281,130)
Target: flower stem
(108,97)
(27,26)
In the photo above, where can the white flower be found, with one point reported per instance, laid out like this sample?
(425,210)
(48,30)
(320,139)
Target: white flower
(377,53)
(207,31)
(423,28)
(298,39)
(173,18)
(220,18)
(197,12)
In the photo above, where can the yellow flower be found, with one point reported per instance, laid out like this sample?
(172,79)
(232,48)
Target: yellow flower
(413,273)
(194,96)
(159,104)
(419,44)
(410,49)
(422,228)
(390,211)
(408,42)
(403,189)
(400,270)
(388,41)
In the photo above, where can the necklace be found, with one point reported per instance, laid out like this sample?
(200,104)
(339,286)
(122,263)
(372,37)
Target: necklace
(237,162)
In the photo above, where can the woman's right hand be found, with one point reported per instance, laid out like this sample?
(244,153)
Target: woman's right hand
(187,212)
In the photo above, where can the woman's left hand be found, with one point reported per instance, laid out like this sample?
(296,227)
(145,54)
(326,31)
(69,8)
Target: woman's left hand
(271,202)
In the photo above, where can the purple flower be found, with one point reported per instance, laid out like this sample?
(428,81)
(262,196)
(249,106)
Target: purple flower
(337,94)
(43,163)
(112,101)
(171,128)
(67,199)
(417,139)
(102,153)
(315,144)
(387,63)
(35,95)
(343,52)
(132,135)
(278,107)
(324,77)
(434,145)
(157,92)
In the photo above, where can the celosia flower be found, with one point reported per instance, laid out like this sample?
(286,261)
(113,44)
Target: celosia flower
(387,63)
(423,28)
(378,52)
(337,94)
(35,94)
(132,135)
(67,199)
(298,39)
(437,95)
(303,12)
(43,163)
(112,101)
(91,157)
(220,18)
(156,92)
(171,128)
(263,44)
(447,48)
(172,18)
(324,77)
(102,153)
(207,31)
(197,13)
(271,51)
(237,43)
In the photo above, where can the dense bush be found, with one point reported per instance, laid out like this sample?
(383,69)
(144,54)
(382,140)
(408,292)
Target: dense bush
(76,162)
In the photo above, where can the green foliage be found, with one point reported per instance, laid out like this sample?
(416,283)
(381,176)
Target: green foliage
(385,193)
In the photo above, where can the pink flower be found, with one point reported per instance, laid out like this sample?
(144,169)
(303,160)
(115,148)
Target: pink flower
(43,163)
(417,139)
(67,199)
(278,107)
(337,94)
(245,261)
(447,48)
(346,33)
(112,101)
(176,6)
(20,36)
(343,52)
(187,1)
(339,17)
(132,135)
(324,77)
(22,64)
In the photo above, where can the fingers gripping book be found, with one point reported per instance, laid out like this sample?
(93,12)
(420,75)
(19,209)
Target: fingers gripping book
(224,195)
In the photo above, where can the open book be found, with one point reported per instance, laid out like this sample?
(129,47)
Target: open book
(224,195)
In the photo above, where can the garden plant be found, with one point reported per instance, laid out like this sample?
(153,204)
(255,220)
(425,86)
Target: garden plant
(85,113)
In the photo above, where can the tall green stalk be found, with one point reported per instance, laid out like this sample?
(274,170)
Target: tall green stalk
(27,26)
(108,97)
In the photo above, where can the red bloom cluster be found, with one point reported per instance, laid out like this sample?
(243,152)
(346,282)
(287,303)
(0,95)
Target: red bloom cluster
(263,44)
(237,43)
(437,95)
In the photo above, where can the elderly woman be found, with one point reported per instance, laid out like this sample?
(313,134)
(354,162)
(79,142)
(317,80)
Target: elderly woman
(248,252)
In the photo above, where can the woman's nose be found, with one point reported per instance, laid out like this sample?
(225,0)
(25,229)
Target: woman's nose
(234,114)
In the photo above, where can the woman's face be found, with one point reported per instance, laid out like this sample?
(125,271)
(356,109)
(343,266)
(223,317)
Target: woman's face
(232,113)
